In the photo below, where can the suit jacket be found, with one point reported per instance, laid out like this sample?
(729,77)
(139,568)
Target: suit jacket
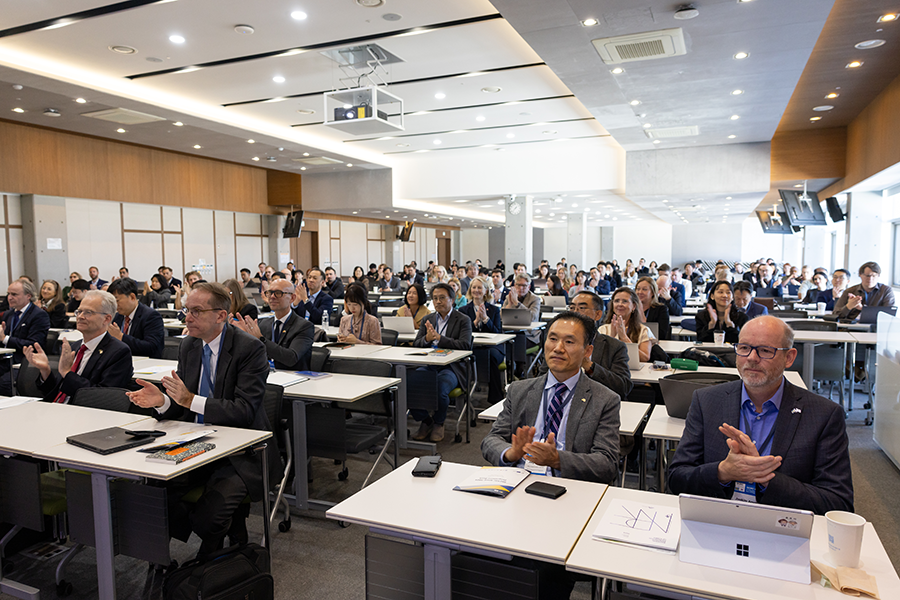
(810,436)
(335,289)
(108,366)
(323,303)
(294,347)
(237,400)
(882,295)
(58,318)
(146,333)
(393,285)
(659,314)
(592,428)
(492,325)
(772,285)
(610,358)
(31,328)
(172,283)
(755,310)
(457,336)
(680,289)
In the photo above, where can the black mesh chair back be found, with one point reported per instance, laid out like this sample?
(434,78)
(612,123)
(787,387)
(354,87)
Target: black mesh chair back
(812,325)
(389,337)
(51,346)
(26,381)
(171,347)
(168,313)
(318,358)
(790,314)
(104,398)
(320,335)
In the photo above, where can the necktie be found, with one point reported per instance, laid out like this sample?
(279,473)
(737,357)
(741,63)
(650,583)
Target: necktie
(62,397)
(555,410)
(14,322)
(277,336)
(206,384)
(125,325)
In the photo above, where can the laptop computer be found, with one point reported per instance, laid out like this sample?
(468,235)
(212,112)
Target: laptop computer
(869,314)
(515,317)
(553,300)
(634,357)
(399,324)
(107,441)
(751,538)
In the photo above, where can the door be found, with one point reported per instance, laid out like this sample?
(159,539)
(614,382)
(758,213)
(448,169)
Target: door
(443,252)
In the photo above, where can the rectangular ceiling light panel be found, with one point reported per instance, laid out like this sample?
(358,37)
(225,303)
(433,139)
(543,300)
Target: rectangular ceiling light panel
(123,116)
(319,160)
(641,46)
(672,132)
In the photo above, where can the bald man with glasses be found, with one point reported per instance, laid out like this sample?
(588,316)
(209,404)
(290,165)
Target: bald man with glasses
(763,439)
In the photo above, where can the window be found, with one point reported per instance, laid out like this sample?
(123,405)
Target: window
(895,254)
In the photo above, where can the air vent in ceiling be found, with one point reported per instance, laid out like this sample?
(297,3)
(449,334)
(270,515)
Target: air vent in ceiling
(123,116)
(361,57)
(319,160)
(641,46)
(672,132)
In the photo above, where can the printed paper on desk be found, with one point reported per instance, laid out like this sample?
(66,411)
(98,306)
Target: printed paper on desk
(284,379)
(640,524)
(493,481)
(153,370)
(15,401)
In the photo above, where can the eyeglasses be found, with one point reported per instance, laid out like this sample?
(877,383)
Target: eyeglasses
(764,352)
(440,298)
(196,312)
(87,313)
(277,294)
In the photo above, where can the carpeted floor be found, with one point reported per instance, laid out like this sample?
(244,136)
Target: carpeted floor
(319,559)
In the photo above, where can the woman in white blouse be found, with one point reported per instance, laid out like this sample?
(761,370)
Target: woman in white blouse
(623,321)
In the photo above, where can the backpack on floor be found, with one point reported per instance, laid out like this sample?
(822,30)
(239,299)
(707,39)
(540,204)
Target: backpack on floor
(235,573)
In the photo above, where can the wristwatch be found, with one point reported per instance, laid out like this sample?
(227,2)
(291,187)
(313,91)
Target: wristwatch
(262,338)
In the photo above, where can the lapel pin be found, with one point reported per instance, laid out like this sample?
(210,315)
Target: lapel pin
(795,411)
(583,400)
(99,351)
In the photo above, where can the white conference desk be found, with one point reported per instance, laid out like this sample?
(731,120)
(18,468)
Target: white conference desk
(478,339)
(663,571)
(429,511)
(630,415)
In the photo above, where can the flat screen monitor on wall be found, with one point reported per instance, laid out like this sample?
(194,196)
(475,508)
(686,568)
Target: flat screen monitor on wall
(406,231)
(774,222)
(803,208)
(293,224)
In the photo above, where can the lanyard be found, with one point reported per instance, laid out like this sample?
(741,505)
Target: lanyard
(361,321)
(766,442)
(438,323)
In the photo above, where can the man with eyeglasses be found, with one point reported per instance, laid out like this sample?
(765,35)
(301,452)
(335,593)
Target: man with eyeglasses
(288,337)
(444,328)
(763,439)
(867,293)
(220,380)
(24,324)
(100,361)
(138,325)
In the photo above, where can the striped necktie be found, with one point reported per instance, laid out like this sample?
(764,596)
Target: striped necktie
(555,410)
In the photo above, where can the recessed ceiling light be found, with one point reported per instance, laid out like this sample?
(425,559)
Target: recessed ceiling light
(854,64)
(440,95)
(176,39)
(741,55)
(869,44)
(306,154)
(727,198)
(349,164)
(479,118)
(120,130)
(510,135)
(549,132)
(299,15)
(306,111)
(823,108)
(436,142)
(278,79)
(798,185)
(197,146)
(256,158)
(302,168)
(537,211)
(491,89)
(815,118)
(735,117)
(732,136)
(178,124)
(737,92)
(605,216)
(251,141)
(832,96)
(664,201)
(18,110)
(647,125)
(590,22)
(618,71)
(122,49)
(634,102)
(80,100)
(552,214)
(657,142)
(403,145)
(355,212)
(887,18)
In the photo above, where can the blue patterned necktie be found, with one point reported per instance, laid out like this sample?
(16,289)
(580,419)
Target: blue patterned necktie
(14,322)
(555,410)
(206,384)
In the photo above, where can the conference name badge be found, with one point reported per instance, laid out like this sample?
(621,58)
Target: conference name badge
(744,491)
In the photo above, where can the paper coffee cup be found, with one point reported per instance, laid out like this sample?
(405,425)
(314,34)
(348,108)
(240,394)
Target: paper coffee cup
(820,306)
(719,337)
(845,534)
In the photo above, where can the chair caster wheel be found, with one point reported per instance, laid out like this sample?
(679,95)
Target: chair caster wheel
(343,524)
(284,526)
(457,439)
(474,422)
(342,476)
(64,588)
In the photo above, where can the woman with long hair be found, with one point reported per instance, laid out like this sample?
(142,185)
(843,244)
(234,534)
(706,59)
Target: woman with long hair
(486,319)
(653,310)
(544,272)
(239,303)
(630,277)
(459,301)
(73,277)
(623,322)
(555,288)
(654,270)
(580,285)
(414,304)
(156,292)
(720,315)
(52,301)
(358,326)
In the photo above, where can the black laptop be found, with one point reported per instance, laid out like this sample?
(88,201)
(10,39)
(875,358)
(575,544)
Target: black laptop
(869,314)
(108,441)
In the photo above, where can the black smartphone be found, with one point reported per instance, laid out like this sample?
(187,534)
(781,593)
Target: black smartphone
(547,490)
(427,466)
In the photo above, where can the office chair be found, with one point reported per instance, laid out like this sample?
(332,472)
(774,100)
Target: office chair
(389,337)
(103,398)
(273,402)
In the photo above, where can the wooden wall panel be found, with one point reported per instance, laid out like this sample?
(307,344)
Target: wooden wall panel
(129,178)
(817,154)
(284,189)
(206,183)
(872,141)
(27,160)
(84,166)
(171,179)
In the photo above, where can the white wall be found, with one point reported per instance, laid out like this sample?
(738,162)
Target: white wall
(649,240)
(347,244)
(555,245)
(756,244)
(707,241)
(473,245)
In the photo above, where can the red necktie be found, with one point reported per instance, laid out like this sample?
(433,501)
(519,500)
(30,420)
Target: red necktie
(125,325)
(62,397)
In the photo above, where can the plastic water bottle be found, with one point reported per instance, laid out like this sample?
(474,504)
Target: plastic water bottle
(324,319)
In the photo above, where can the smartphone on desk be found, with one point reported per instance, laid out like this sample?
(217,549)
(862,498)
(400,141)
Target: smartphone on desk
(547,490)
(427,466)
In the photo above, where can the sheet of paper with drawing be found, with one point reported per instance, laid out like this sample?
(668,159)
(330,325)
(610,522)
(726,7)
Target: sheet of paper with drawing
(640,524)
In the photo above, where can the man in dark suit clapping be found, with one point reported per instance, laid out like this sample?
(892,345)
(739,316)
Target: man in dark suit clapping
(138,326)
(24,324)
(312,301)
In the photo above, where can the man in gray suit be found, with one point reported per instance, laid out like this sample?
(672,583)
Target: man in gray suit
(444,328)
(563,424)
(220,380)
(763,439)
(288,337)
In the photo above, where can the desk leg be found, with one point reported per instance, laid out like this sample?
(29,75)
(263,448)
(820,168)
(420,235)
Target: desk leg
(103,536)
(661,455)
(301,474)
(809,351)
(437,572)
(849,359)
(642,465)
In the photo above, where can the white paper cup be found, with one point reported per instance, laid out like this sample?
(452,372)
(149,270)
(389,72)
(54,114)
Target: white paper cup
(845,534)
(719,337)
(820,307)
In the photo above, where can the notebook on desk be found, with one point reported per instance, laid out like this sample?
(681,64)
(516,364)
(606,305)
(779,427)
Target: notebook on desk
(769,541)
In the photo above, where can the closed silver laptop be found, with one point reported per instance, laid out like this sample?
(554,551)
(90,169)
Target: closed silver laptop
(515,317)
(399,324)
